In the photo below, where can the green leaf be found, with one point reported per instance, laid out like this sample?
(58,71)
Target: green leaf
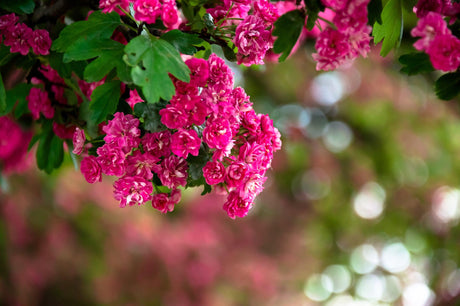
(447,86)
(287,28)
(50,151)
(229,53)
(152,61)
(107,60)
(150,116)
(391,29)
(17,94)
(374,9)
(92,33)
(313,9)
(414,63)
(5,55)
(2,96)
(104,101)
(18,6)
(65,70)
(408,5)
(184,42)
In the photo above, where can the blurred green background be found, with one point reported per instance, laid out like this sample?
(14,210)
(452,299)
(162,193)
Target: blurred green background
(361,208)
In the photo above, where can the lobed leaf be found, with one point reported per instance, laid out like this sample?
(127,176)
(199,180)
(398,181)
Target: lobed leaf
(184,42)
(18,6)
(104,101)
(414,63)
(50,151)
(287,29)
(391,29)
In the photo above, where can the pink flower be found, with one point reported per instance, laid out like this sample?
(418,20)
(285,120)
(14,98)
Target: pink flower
(251,122)
(147,10)
(40,42)
(134,98)
(424,7)
(91,169)
(332,49)
(252,41)
(39,102)
(123,131)
(184,142)
(220,75)
(444,52)
(427,28)
(132,190)
(14,155)
(63,131)
(235,206)
(108,6)
(78,140)
(199,71)
(141,164)
(214,172)
(18,38)
(252,186)
(173,172)
(217,134)
(88,88)
(170,15)
(112,159)
(173,117)
(236,173)
(158,144)
(267,11)
(335,4)
(10,136)
(7,22)
(165,202)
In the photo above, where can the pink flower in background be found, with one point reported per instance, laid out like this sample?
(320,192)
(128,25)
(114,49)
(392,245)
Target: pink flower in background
(18,38)
(158,144)
(10,136)
(88,88)
(7,22)
(40,42)
(39,102)
(108,6)
(184,142)
(134,98)
(332,50)
(132,190)
(63,131)
(235,206)
(424,7)
(165,202)
(170,15)
(236,173)
(335,4)
(78,140)
(427,28)
(123,131)
(252,41)
(141,164)
(214,172)
(444,52)
(91,169)
(267,11)
(173,172)
(147,10)
(112,159)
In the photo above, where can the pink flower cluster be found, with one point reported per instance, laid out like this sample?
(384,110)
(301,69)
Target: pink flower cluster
(20,38)
(444,7)
(147,10)
(206,117)
(350,38)
(437,41)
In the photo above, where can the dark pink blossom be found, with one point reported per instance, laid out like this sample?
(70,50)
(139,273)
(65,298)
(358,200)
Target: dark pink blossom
(217,134)
(141,164)
(235,206)
(236,173)
(147,10)
(112,159)
(18,38)
(427,28)
(108,6)
(7,22)
(78,141)
(132,190)
(63,131)
(40,42)
(184,142)
(88,88)
(252,41)
(39,102)
(123,131)
(165,202)
(173,172)
(444,52)
(199,71)
(424,7)
(134,98)
(10,137)
(214,172)
(91,169)
(157,144)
